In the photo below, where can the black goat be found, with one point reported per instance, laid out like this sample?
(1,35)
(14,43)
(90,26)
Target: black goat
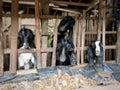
(66,25)
(65,52)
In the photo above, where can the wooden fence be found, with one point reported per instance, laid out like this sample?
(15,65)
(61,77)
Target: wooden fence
(86,30)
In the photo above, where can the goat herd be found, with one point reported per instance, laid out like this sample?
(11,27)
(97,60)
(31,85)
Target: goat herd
(65,53)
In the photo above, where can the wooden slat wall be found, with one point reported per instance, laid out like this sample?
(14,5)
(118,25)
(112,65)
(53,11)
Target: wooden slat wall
(13,36)
(82,35)
(38,34)
(1,41)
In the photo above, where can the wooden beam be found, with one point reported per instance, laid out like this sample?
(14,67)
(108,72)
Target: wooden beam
(7,51)
(104,30)
(118,44)
(44,25)
(13,36)
(67,10)
(28,71)
(99,20)
(55,43)
(38,34)
(83,37)
(78,41)
(1,42)
(26,2)
(73,3)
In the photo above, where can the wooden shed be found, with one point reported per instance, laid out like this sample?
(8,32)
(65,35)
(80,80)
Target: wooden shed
(43,17)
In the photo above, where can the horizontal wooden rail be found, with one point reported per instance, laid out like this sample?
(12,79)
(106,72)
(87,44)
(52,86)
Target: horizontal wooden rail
(46,34)
(6,51)
(106,32)
(106,47)
(52,16)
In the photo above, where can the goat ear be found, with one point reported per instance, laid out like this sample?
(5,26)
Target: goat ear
(101,44)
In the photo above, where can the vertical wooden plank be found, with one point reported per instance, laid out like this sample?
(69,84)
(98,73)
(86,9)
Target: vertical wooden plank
(103,31)
(75,28)
(55,43)
(1,41)
(78,41)
(38,34)
(13,36)
(118,44)
(99,20)
(83,37)
(44,25)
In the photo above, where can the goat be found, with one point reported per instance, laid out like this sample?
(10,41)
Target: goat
(65,52)
(95,54)
(66,25)
(26,41)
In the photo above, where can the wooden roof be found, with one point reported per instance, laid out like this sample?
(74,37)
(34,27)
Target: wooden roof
(53,6)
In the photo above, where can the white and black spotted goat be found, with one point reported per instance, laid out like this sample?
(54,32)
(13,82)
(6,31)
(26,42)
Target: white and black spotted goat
(26,41)
(94,54)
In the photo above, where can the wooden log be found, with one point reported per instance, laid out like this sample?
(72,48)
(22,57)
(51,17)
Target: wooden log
(118,44)
(103,31)
(79,66)
(72,3)
(44,25)
(13,37)
(1,42)
(78,41)
(99,20)
(83,37)
(55,43)
(38,34)
(28,71)
(67,10)
(75,32)
(7,51)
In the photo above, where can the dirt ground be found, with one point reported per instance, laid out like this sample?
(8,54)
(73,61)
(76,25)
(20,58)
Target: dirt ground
(65,78)
(109,87)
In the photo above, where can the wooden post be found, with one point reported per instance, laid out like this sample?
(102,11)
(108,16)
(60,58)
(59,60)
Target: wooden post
(55,43)
(78,41)
(103,31)
(83,37)
(13,36)
(38,34)
(1,41)
(44,25)
(118,44)
(99,20)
